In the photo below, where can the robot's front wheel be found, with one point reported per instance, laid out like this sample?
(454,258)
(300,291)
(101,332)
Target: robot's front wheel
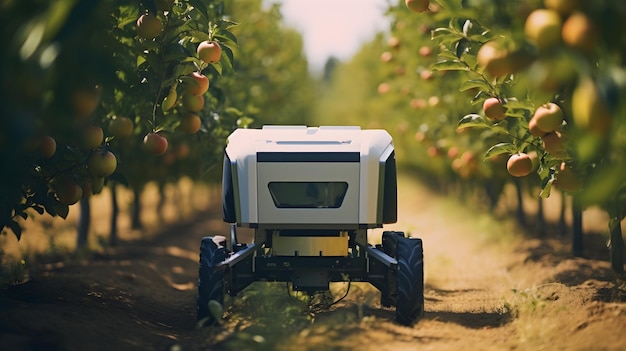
(210,280)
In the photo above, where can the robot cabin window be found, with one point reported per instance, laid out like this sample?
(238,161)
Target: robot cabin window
(308,194)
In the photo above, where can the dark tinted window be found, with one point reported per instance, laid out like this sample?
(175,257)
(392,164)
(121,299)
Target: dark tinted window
(308,194)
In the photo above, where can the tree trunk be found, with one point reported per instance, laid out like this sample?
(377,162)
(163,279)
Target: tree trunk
(115,210)
(521,216)
(577,227)
(562,223)
(616,247)
(136,209)
(541,220)
(84,221)
(161,202)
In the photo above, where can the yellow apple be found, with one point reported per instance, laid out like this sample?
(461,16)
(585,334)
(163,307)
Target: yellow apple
(589,110)
(563,7)
(543,28)
(417,5)
(494,59)
(102,163)
(170,99)
(149,26)
(193,103)
(121,127)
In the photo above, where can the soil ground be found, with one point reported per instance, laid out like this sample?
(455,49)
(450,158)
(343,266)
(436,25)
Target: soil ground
(489,286)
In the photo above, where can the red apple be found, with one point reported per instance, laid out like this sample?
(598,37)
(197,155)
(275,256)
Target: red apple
(519,165)
(155,144)
(386,56)
(209,51)
(580,33)
(494,109)
(425,51)
(198,84)
(534,130)
(554,143)
(190,123)
(47,147)
(393,42)
(418,103)
(67,191)
(384,88)
(567,180)
(426,74)
(85,100)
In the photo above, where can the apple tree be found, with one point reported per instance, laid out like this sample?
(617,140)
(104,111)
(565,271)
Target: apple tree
(556,81)
(90,86)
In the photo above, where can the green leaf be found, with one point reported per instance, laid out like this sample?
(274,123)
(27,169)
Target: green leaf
(225,23)
(472,120)
(119,178)
(450,65)
(516,104)
(441,32)
(517,113)
(446,36)
(218,67)
(39,210)
(229,58)
(16,229)
(140,60)
(244,122)
(199,36)
(499,149)
(546,186)
(201,7)
(500,128)
(461,47)
(61,210)
(451,4)
(475,83)
(226,37)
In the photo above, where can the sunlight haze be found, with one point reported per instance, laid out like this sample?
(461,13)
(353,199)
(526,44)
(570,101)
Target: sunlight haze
(334,27)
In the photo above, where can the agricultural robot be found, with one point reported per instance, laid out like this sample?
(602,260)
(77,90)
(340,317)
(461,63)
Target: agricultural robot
(311,195)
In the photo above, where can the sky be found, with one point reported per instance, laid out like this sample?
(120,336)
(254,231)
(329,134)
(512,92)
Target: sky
(334,27)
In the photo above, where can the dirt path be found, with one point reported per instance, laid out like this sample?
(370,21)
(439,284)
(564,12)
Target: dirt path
(483,292)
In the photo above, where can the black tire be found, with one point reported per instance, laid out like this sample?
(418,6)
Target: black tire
(390,246)
(390,242)
(210,281)
(410,300)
